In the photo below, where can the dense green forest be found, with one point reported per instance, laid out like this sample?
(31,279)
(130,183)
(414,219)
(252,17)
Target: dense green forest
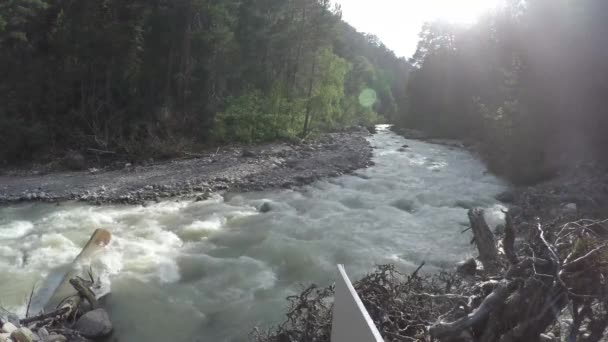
(529,82)
(148,78)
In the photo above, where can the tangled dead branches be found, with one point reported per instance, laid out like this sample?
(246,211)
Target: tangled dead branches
(549,275)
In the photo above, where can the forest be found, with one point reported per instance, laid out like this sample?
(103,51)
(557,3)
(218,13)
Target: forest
(527,82)
(152,78)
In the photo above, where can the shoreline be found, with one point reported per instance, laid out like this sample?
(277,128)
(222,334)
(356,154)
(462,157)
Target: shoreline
(233,168)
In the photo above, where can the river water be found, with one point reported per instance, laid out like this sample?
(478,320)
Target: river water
(212,270)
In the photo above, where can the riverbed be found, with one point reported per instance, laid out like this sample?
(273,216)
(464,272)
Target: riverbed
(212,270)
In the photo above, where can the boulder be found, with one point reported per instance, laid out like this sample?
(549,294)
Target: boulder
(94,324)
(506,197)
(265,207)
(8,327)
(24,335)
(467,268)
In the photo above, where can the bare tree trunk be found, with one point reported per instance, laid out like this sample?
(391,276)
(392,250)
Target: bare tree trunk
(309,104)
(484,239)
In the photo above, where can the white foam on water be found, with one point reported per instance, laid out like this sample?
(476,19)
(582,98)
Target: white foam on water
(15,230)
(213,269)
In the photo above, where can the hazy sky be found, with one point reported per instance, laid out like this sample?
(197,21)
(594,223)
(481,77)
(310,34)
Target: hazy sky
(398,22)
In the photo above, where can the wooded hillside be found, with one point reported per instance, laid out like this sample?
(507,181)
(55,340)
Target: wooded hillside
(146,78)
(528,82)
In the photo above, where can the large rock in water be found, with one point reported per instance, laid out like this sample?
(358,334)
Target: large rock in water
(94,324)
(265,207)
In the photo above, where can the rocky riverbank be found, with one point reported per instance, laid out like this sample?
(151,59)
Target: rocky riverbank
(234,168)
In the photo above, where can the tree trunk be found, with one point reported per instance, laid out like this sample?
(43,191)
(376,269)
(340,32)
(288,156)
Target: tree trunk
(309,104)
(484,239)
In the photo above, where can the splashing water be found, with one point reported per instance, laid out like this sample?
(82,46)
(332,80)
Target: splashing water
(212,270)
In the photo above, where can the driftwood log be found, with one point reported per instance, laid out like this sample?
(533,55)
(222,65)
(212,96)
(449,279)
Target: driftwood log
(484,239)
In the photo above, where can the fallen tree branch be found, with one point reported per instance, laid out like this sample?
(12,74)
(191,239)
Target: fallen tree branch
(577,261)
(490,303)
(57,313)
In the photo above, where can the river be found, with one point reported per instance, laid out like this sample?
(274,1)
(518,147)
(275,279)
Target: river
(212,270)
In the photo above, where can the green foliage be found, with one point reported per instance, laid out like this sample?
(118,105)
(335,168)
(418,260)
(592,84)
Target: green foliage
(130,76)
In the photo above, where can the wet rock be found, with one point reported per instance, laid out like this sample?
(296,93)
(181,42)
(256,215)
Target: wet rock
(404,204)
(8,327)
(248,154)
(570,208)
(265,207)
(506,197)
(43,333)
(24,335)
(94,324)
(55,338)
(467,268)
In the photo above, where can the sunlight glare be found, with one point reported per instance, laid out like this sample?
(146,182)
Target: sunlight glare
(461,11)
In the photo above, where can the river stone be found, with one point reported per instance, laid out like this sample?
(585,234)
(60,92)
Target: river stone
(570,208)
(264,208)
(467,268)
(55,338)
(248,154)
(506,197)
(8,327)
(94,324)
(24,335)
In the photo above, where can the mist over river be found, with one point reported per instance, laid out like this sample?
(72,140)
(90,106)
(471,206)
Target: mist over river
(212,270)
